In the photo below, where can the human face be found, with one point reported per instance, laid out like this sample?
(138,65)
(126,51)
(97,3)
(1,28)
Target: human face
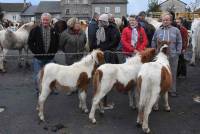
(133,22)
(45,21)
(77,26)
(178,22)
(166,20)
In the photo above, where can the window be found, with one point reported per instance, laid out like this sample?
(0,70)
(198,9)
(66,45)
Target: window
(14,18)
(107,9)
(67,11)
(117,9)
(97,10)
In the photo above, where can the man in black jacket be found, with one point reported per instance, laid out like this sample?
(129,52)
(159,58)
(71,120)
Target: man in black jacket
(92,29)
(43,40)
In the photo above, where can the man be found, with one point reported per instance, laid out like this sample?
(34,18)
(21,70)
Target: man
(43,40)
(148,28)
(92,29)
(171,34)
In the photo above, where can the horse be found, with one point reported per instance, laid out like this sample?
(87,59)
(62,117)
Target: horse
(15,41)
(195,34)
(69,78)
(121,76)
(153,22)
(154,79)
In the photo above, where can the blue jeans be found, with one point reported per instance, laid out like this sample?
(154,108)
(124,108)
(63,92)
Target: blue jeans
(37,65)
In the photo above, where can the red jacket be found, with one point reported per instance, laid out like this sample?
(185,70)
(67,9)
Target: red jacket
(126,40)
(184,35)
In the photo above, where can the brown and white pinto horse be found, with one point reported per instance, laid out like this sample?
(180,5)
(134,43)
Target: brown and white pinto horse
(70,78)
(121,76)
(154,79)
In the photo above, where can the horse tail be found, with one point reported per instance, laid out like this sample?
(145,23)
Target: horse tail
(40,77)
(97,81)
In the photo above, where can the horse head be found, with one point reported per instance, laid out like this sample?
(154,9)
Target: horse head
(98,56)
(27,27)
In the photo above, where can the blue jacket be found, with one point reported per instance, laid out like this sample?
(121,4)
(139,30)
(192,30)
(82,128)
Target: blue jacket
(92,29)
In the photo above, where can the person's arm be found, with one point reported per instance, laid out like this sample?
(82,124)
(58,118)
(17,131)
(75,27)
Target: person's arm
(154,40)
(178,41)
(32,41)
(144,41)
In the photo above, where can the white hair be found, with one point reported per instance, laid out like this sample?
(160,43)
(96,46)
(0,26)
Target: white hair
(46,14)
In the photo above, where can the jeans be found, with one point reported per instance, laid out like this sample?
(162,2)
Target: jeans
(37,66)
(173,61)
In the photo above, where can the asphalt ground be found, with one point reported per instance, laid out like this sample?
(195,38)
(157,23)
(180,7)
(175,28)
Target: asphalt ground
(18,96)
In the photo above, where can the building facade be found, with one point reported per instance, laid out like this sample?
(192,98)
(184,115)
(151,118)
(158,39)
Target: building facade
(12,11)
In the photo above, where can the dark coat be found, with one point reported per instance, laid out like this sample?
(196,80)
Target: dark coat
(73,42)
(112,38)
(111,43)
(92,29)
(36,45)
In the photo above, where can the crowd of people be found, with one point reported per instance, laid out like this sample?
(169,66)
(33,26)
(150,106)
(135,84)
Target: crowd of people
(134,35)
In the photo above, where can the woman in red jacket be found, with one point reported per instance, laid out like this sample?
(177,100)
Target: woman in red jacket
(133,37)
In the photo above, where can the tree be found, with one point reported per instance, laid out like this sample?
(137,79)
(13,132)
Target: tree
(153,6)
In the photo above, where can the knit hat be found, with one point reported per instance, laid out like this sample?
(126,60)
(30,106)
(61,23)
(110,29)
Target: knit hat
(103,17)
(71,22)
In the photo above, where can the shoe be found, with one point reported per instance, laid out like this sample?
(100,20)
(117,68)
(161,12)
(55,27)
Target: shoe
(196,99)
(109,106)
(173,94)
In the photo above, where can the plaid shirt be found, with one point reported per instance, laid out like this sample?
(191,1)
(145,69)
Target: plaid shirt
(46,38)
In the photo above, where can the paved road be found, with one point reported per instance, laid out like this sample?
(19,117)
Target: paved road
(20,117)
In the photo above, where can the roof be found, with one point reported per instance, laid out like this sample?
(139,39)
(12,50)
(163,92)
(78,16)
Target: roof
(168,0)
(13,7)
(109,1)
(49,6)
(30,11)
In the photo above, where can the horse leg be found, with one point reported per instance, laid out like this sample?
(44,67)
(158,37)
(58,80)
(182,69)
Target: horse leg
(82,98)
(41,100)
(27,64)
(20,59)
(131,95)
(96,100)
(192,62)
(167,107)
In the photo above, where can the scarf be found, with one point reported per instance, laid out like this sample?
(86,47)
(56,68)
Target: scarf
(134,37)
(100,34)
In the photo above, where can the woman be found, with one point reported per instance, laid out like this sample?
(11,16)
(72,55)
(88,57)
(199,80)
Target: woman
(133,37)
(73,40)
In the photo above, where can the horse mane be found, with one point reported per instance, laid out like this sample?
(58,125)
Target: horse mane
(24,27)
(133,60)
(85,60)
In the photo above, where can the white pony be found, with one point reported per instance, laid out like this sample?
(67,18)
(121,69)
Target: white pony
(154,79)
(76,76)
(15,40)
(121,76)
(154,22)
(195,31)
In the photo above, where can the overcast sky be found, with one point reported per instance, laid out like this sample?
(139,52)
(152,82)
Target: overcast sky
(134,6)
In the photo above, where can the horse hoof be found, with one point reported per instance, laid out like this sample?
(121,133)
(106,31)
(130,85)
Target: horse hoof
(86,111)
(138,125)
(146,130)
(167,109)
(93,121)
(3,71)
